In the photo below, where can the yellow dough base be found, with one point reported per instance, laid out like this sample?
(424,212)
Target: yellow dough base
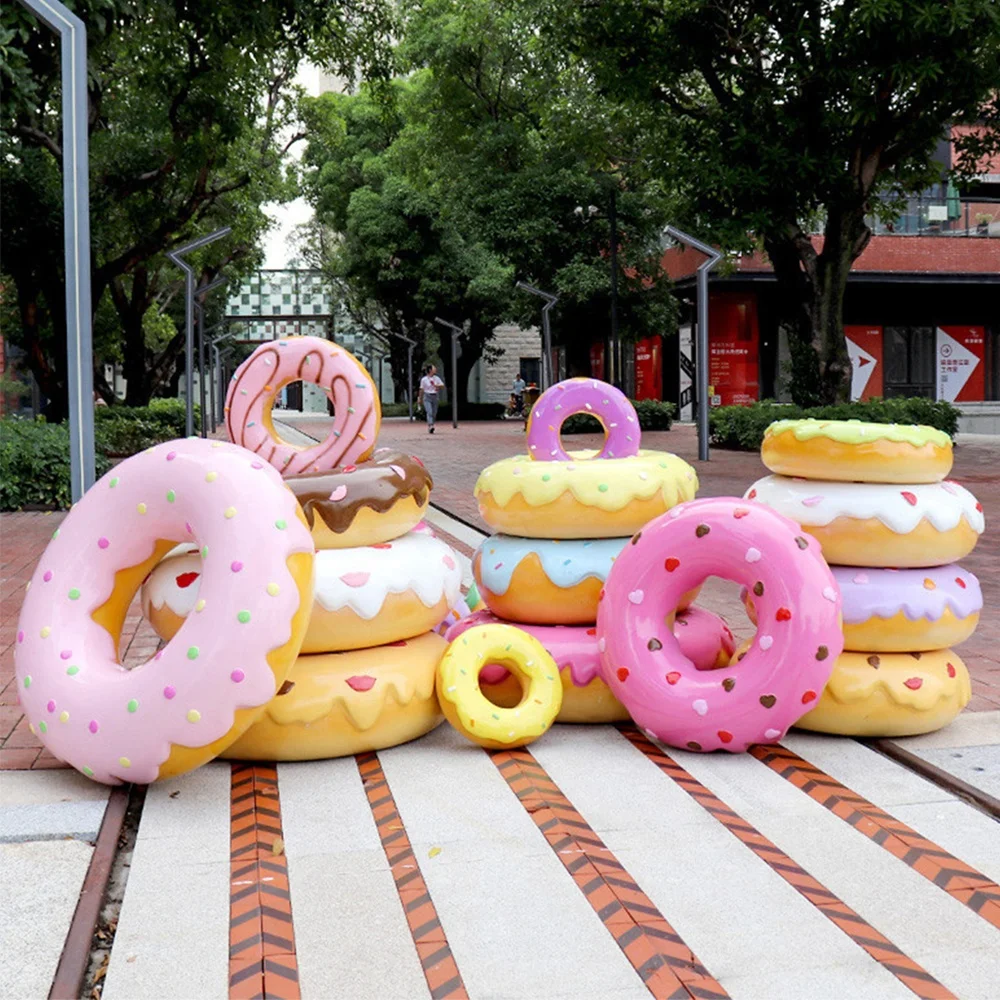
(592,704)
(321,716)
(900,634)
(878,461)
(867,694)
(566,517)
(532,598)
(848,541)
(370,527)
(402,616)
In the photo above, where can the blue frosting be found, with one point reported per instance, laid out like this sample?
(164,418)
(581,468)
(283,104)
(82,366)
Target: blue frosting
(566,562)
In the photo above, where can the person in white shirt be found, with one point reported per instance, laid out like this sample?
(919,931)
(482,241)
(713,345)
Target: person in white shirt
(430,386)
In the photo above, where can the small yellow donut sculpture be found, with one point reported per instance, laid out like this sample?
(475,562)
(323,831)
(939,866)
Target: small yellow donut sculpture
(337,704)
(472,713)
(852,451)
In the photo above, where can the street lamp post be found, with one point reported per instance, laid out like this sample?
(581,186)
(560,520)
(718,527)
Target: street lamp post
(701,373)
(456,332)
(213,367)
(177,256)
(550,300)
(221,353)
(199,308)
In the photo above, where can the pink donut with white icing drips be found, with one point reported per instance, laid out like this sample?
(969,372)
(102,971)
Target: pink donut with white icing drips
(257,382)
(256,556)
(798,638)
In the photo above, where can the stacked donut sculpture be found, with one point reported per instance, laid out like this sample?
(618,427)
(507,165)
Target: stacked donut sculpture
(876,496)
(563,519)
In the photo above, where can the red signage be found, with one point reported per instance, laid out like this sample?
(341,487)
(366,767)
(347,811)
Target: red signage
(649,368)
(960,370)
(597,360)
(864,346)
(732,350)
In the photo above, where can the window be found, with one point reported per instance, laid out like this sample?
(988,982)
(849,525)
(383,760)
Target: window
(909,361)
(531,370)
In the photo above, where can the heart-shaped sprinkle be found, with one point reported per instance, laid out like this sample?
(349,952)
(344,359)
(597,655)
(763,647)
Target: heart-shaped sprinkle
(602,644)
(929,584)
(861,578)
(673,677)
(822,653)
(765,642)
(753,555)
(812,501)
(693,745)
(671,564)
(702,530)
(951,670)
(184,580)
(772,734)
(751,494)
(782,615)
(758,588)
(349,468)
(591,631)
(914,683)
(909,497)
(874,661)
(360,682)
(725,736)
(622,674)
(728,684)
(979,507)
(740,512)
(399,470)
(636,596)
(960,582)
(700,706)
(355,580)
(768,700)
(802,543)
(339,493)
(653,645)
(808,696)
(830,594)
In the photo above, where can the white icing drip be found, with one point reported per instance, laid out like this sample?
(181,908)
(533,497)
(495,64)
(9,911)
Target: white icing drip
(161,586)
(416,562)
(942,504)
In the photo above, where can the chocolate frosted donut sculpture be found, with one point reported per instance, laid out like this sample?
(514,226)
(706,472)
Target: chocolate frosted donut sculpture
(257,382)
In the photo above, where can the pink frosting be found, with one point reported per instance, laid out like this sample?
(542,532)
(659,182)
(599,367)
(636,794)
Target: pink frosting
(702,635)
(261,377)
(118,725)
(582,395)
(798,637)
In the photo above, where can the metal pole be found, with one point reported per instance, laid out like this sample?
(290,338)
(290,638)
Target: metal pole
(409,375)
(212,369)
(550,301)
(200,293)
(617,375)
(177,256)
(701,359)
(456,332)
(76,239)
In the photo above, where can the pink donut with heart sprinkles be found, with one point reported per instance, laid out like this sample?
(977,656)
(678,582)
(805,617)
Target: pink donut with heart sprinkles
(798,638)
(255,386)
(175,711)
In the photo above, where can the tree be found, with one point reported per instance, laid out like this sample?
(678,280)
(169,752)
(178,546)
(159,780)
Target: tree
(191,113)
(781,117)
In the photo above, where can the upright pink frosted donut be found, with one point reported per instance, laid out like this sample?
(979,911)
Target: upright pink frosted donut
(169,714)
(582,395)
(798,638)
(257,382)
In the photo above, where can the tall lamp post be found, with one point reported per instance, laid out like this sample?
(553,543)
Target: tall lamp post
(199,308)
(701,372)
(213,366)
(550,301)
(177,256)
(456,332)
(76,237)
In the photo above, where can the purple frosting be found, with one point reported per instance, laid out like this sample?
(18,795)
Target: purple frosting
(918,593)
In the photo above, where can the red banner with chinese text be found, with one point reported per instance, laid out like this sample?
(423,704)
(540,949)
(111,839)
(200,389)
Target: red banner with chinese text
(649,368)
(733,335)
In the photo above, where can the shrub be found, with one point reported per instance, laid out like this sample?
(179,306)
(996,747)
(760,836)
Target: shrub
(653,414)
(742,427)
(34,464)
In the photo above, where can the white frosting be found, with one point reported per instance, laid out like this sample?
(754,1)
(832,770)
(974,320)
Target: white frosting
(900,508)
(362,578)
(162,587)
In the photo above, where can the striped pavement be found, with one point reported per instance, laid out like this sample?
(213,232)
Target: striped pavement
(592,864)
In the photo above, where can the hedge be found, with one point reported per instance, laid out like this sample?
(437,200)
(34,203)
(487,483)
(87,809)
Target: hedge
(653,414)
(742,427)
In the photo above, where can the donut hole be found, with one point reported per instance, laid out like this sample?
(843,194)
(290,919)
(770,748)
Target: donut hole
(506,691)
(724,598)
(291,395)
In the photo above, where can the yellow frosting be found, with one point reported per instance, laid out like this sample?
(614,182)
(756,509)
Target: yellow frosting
(321,682)
(608,483)
(472,713)
(859,432)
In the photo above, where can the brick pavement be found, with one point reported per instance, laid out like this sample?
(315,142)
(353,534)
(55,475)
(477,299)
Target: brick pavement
(455,458)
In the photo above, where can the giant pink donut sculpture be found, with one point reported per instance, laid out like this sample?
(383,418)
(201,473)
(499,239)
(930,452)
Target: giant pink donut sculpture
(256,383)
(205,686)
(798,639)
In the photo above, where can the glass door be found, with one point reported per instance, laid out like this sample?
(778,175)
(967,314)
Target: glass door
(909,361)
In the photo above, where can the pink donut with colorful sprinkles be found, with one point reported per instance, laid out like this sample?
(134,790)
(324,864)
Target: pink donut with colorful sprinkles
(798,638)
(119,725)
(257,382)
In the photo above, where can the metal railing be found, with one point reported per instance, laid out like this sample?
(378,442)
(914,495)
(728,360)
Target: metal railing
(940,215)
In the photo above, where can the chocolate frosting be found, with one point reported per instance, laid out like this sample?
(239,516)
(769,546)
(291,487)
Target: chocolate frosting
(337,495)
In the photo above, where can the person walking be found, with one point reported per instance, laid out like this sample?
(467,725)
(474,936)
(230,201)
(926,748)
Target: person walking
(430,386)
(519,387)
